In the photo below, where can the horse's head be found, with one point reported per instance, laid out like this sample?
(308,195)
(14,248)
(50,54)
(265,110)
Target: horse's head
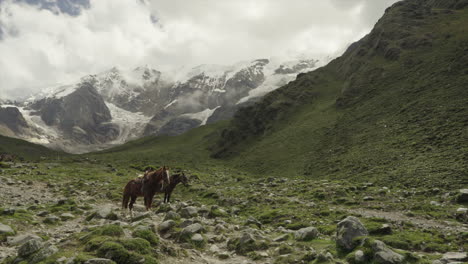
(166,174)
(184,179)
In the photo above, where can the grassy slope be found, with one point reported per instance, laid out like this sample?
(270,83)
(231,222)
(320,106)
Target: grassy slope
(25,149)
(368,114)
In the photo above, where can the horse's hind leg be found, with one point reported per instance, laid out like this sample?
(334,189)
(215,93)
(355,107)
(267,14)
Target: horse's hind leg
(132,201)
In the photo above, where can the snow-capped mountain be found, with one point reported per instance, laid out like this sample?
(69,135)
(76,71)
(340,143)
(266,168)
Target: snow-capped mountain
(115,106)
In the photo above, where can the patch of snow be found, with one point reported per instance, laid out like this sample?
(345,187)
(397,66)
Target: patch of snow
(274,81)
(202,116)
(171,103)
(42,133)
(131,125)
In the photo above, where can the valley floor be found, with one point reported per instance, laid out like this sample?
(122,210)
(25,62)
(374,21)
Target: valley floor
(72,209)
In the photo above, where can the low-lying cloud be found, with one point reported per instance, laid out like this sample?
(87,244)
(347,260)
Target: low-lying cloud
(46,42)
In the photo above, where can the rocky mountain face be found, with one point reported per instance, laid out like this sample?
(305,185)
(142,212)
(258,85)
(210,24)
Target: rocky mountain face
(82,115)
(115,106)
(11,120)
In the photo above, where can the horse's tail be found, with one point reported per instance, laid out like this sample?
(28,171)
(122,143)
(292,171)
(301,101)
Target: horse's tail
(126,196)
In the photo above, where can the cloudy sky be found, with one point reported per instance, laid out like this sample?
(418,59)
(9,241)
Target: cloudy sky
(50,42)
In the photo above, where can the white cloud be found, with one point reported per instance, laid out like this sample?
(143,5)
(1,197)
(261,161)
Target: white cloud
(40,48)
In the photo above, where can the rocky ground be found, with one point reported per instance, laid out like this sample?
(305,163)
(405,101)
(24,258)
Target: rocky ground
(69,213)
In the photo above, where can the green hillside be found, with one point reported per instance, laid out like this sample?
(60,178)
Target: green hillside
(394,106)
(25,149)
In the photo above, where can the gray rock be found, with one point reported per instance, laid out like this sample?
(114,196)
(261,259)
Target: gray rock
(21,239)
(186,223)
(99,261)
(5,229)
(462,196)
(462,214)
(384,255)
(66,216)
(105,212)
(189,212)
(51,219)
(246,239)
(166,226)
(43,254)
(359,256)
(305,234)
(141,216)
(455,256)
(197,238)
(8,211)
(172,216)
(192,229)
(348,230)
(42,213)
(30,247)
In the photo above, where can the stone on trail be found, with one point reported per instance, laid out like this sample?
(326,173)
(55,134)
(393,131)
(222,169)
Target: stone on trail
(52,219)
(192,229)
(455,256)
(166,226)
(359,256)
(189,212)
(21,239)
(44,253)
(197,238)
(384,255)
(348,230)
(141,216)
(66,216)
(172,216)
(105,212)
(462,196)
(306,234)
(30,247)
(6,230)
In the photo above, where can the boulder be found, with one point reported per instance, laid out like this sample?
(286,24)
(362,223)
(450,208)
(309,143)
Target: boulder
(348,230)
(462,214)
(141,216)
(172,216)
(30,247)
(455,256)
(105,212)
(189,212)
(197,238)
(51,219)
(384,255)
(21,239)
(6,230)
(462,196)
(44,253)
(306,234)
(192,229)
(166,226)
(66,216)
(359,257)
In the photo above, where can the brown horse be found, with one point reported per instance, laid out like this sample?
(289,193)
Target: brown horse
(136,184)
(147,187)
(175,179)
